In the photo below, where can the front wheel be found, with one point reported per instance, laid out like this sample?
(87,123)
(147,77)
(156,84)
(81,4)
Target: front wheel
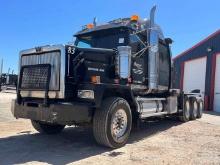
(112,123)
(47,128)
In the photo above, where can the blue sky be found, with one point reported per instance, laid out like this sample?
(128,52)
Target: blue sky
(26,24)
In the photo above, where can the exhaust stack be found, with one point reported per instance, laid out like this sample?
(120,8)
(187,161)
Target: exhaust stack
(153,38)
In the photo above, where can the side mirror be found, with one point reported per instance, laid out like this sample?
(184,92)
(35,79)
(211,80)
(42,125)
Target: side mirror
(168,41)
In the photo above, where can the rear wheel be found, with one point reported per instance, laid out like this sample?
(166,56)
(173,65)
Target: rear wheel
(194,108)
(185,114)
(112,123)
(200,109)
(47,128)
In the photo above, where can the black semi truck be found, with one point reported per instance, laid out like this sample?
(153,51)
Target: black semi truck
(113,76)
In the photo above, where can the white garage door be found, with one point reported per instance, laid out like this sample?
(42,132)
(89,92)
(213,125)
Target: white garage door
(217,85)
(194,75)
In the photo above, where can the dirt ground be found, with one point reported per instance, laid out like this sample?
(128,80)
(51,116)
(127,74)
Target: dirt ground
(159,142)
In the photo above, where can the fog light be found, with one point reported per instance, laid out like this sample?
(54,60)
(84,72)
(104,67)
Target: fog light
(86,94)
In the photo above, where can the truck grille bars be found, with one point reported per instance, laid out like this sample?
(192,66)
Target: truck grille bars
(52,57)
(34,77)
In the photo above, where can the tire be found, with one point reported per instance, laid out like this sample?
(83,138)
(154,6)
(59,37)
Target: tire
(194,108)
(185,114)
(46,128)
(200,109)
(112,123)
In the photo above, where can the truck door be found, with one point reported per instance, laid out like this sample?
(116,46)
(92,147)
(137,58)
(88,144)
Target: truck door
(138,62)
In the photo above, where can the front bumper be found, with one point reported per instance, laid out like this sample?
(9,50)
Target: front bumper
(59,113)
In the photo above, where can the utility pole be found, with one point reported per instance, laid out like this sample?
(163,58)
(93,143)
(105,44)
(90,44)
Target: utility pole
(1,70)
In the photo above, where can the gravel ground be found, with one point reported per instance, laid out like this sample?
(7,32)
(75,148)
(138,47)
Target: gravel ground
(5,106)
(158,142)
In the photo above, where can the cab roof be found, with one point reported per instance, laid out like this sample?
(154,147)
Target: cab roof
(124,23)
(102,27)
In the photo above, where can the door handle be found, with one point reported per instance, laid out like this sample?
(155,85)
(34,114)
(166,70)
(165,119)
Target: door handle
(217,93)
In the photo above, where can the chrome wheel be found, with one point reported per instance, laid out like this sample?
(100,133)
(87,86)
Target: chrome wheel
(200,109)
(201,106)
(195,105)
(187,109)
(119,124)
(112,123)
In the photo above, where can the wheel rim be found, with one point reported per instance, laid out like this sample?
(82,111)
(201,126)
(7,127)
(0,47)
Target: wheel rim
(119,124)
(195,106)
(200,107)
(187,113)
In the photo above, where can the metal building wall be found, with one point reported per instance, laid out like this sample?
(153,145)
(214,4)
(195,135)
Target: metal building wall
(198,51)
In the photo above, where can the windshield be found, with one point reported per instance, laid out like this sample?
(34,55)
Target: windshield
(83,44)
(109,39)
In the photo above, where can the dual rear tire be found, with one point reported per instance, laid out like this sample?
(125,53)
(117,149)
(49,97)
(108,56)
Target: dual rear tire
(200,109)
(192,109)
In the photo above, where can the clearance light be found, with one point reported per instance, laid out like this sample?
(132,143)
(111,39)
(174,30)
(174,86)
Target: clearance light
(95,79)
(90,26)
(134,18)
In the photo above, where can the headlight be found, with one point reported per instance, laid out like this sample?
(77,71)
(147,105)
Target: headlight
(86,94)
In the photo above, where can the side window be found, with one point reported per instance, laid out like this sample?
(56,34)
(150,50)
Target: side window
(164,64)
(134,38)
(135,43)
(82,44)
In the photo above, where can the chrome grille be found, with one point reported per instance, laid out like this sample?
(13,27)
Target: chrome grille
(52,58)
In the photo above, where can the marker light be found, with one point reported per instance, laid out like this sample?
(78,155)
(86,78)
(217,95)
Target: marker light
(134,18)
(95,79)
(90,26)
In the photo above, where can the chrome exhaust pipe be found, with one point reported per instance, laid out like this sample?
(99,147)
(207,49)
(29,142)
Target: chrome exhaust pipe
(153,59)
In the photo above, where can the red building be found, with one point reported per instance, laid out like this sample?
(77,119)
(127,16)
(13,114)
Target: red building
(198,68)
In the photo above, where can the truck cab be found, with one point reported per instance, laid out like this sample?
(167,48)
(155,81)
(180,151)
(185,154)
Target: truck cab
(113,76)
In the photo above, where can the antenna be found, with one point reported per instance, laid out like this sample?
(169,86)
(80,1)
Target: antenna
(1,68)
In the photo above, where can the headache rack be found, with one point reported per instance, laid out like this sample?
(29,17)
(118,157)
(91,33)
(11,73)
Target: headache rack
(34,78)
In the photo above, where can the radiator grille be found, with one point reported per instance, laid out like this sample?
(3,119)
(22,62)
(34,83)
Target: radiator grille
(35,77)
(52,58)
